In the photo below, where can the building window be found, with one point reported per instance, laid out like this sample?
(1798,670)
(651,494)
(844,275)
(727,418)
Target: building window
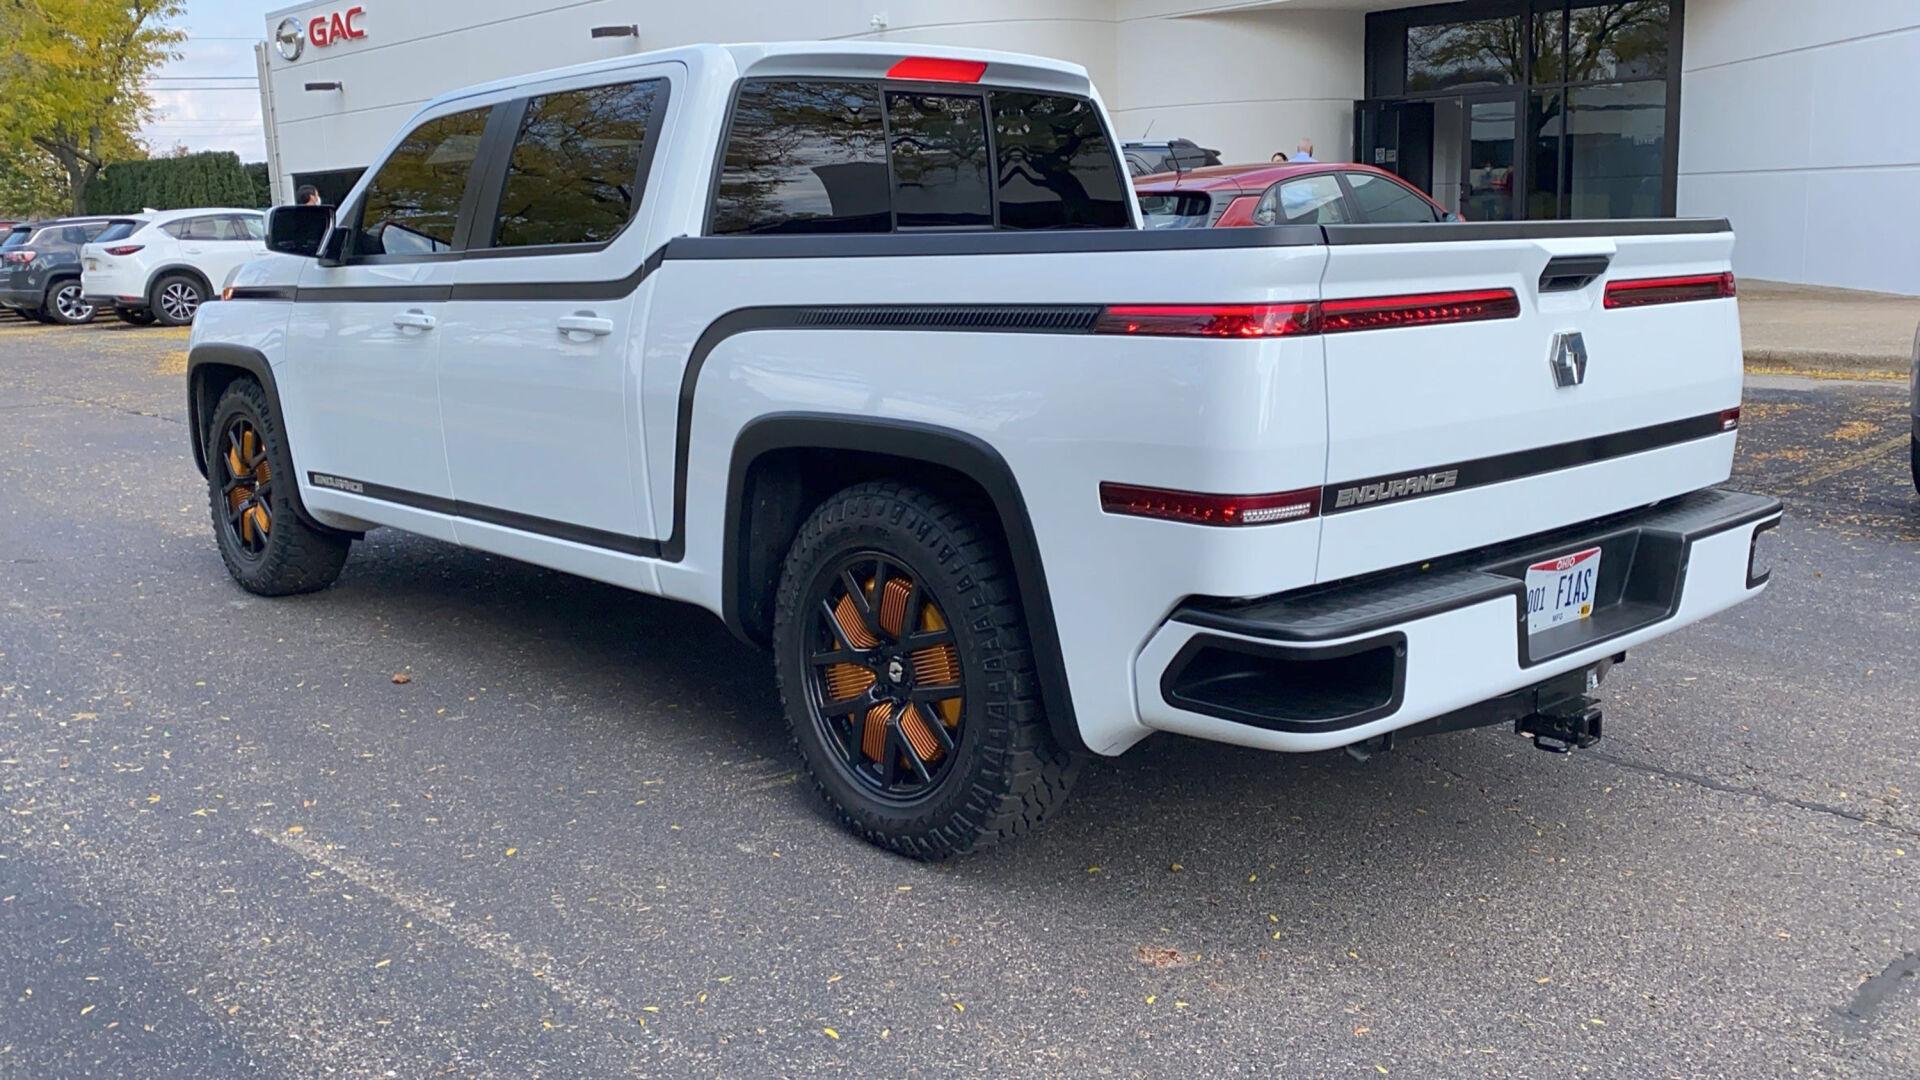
(1483,52)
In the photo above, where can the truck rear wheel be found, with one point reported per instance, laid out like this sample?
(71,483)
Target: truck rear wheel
(268,549)
(907,676)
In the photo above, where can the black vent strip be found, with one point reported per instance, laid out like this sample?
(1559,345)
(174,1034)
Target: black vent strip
(1015,318)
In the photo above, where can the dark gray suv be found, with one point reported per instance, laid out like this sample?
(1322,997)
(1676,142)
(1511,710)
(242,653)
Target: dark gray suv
(40,268)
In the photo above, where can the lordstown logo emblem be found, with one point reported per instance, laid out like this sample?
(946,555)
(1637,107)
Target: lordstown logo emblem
(1568,359)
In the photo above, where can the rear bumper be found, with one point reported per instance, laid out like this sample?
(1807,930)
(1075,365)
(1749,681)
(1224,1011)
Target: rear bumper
(1333,665)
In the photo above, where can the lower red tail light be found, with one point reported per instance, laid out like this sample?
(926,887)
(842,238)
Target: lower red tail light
(1640,292)
(1209,320)
(129,249)
(1418,309)
(1730,419)
(1196,508)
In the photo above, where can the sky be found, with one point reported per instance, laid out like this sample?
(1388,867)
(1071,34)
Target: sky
(209,99)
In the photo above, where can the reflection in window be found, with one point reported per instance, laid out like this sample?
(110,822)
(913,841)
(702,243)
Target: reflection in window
(1616,150)
(1618,39)
(1057,168)
(940,161)
(805,157)
(1549,41)
(1484,52)
(1545,118)
(1382,201)
(1310,200)
(574,177)
(413,204)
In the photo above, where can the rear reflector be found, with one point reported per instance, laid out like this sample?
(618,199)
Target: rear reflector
(1293,320)
(1640,292)
(1195,508)
(1730,419)
(934,69)
(129,249)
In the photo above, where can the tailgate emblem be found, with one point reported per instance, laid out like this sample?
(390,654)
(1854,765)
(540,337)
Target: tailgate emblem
(1568,359)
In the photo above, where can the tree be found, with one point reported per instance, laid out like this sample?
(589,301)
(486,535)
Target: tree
(31,185)
(71,87)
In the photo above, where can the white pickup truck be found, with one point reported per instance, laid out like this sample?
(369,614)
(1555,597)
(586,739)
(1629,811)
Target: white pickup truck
(865,352)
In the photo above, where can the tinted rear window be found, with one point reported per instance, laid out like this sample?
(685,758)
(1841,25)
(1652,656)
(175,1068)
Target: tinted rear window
(574,177)
(15,238)
(852,157)
(1185,210)
(1057,168)
(805,157)
(119,230)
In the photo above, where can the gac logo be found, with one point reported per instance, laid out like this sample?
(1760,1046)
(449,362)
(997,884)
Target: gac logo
(325,30)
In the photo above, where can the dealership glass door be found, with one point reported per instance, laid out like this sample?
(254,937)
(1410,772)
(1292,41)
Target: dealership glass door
(1491,185)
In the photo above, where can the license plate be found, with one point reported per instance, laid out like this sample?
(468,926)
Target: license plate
(1560,591)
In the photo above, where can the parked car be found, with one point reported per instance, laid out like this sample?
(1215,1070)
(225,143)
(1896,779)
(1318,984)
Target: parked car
(1174,155)
(1310,193)
(996,496)
(40,269)
(162,267)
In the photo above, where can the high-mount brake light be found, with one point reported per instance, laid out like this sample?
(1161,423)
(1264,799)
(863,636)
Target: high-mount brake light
(127,249)
(1209,320)
(1297,319)
(1641,292)
(1418,309)
(935,69)
(1197,508)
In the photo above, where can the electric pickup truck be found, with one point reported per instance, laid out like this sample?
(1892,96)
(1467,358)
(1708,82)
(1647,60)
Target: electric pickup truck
(866,352)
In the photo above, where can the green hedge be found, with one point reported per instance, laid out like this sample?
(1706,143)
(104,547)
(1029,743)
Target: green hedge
(214,178)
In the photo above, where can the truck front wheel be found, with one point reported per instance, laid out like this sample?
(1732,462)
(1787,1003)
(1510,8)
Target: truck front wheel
(907,675)
(268,549)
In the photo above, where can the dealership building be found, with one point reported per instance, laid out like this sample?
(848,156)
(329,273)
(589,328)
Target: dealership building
(1799,121)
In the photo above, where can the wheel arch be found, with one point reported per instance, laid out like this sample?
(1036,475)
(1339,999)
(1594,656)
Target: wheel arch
(185,269)
(785,464)
(211,368)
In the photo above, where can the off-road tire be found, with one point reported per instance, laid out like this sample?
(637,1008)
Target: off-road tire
(1007,773)
(296,557)
(75,311)
(161,300)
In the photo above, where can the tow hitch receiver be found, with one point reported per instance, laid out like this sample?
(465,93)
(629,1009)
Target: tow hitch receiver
(1570,725)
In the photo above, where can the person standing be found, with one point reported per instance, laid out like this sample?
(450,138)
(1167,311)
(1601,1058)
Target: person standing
(308,195)
(1304,150)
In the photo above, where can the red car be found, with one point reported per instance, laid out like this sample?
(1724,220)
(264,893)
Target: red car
(1283,193)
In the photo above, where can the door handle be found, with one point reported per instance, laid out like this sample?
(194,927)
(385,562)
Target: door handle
(584,324)
(414,320)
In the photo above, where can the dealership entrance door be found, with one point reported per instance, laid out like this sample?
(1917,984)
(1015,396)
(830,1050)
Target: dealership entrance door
(1461,149)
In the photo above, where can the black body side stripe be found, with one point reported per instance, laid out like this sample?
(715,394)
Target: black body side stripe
(1517,465)
(487,515)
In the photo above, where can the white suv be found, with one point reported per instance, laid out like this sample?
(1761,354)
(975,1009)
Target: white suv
(165,265)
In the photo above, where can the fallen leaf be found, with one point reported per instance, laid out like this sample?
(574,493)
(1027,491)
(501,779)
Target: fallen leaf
(958,1007)
(383,963)
(401,678)
(512,851)
(296,830)
(831,1034)
(88,1009)
(1158,956)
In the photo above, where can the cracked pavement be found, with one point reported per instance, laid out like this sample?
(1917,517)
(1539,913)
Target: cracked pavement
(574,844)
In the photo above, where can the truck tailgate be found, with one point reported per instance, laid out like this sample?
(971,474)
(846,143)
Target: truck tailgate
(1448,436)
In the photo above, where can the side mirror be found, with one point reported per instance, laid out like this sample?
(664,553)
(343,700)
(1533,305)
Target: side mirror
(299,230)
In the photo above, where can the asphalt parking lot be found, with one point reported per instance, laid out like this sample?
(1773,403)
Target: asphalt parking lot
(573,843)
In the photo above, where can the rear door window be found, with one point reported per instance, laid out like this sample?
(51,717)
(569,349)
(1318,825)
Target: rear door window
(1180,210)
(413,205)
(575,173)
(1380,200)
(805,157)
(1309,200)
(939,156)
(1056,167)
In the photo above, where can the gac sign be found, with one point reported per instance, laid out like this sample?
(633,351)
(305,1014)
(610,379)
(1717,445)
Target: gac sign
(325,30)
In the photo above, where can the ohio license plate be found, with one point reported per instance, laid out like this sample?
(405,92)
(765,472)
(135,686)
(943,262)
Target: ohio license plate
(1560,591)
(93,264)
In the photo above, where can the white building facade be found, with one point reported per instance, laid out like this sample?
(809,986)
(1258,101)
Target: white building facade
(1799,121)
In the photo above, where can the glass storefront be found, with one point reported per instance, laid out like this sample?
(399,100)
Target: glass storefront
(1506,109)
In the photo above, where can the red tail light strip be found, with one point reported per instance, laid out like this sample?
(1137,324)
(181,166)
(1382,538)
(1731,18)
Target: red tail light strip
(1640,292)
(1296,319)
(128,249)
(934,69)
(1196,508)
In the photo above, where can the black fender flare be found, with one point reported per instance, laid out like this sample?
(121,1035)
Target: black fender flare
(201,400)
(956,450)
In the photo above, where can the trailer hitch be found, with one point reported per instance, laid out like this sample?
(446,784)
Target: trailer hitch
(1564,728)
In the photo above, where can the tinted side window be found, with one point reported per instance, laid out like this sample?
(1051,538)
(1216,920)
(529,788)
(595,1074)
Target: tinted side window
(119,230)
(1057,168)
(176,229)
(252,226)
(1382,201)
(413,204)
(939,161)
(574,177)
(804,157)
(1310,200)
